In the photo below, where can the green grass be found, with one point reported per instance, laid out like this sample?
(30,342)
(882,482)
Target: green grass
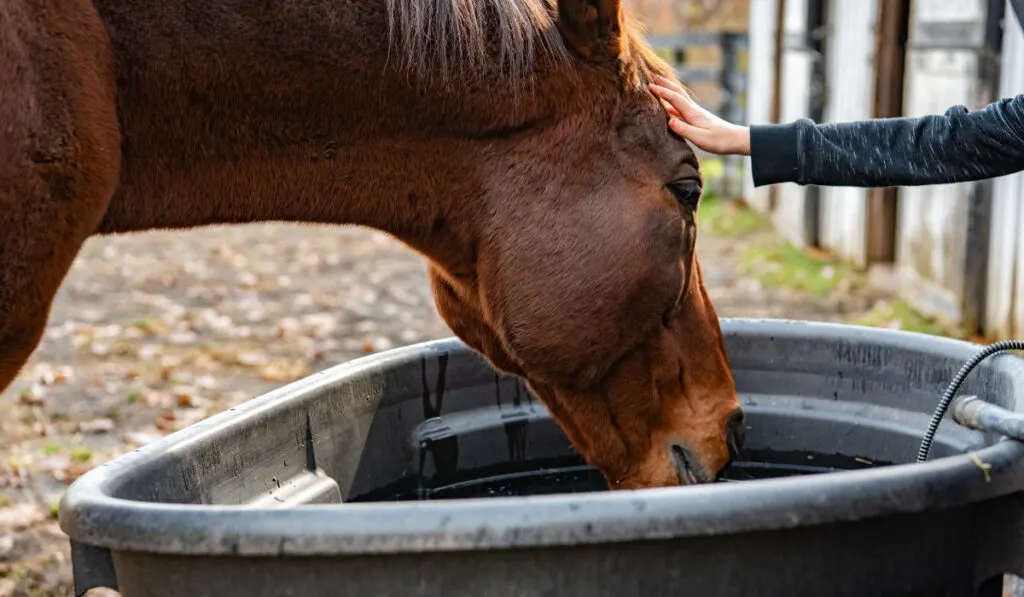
(784,265)
(81,454)
(727,218)
(149,325)
(898,314)
(780,264)
(712,168)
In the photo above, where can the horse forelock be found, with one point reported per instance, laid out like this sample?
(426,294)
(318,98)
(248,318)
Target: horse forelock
(642,64)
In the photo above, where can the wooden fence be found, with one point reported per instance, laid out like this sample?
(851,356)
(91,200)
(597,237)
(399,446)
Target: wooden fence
(957,248)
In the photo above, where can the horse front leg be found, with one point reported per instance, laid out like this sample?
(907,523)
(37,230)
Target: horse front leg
(59,159)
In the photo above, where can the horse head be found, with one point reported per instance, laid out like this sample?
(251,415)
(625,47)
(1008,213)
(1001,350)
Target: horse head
(584,277)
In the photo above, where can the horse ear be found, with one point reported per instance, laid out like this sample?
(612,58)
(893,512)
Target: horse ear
(591,27)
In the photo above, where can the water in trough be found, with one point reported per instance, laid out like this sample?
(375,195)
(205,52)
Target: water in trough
(570,475)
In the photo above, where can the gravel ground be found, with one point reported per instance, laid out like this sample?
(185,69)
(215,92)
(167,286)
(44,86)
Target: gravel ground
(152,332)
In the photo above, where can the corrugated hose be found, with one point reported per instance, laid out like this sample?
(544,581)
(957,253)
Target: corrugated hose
(947,397)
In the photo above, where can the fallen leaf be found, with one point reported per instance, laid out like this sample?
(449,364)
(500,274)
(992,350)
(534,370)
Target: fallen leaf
(177,419)
(48,375)
(19,516)
(187,396)
(74,470)
(32,395)
(54,464)
(6,546)
(102,425)
(157,399)
(251,359)
(12,479)
(142,437)
(171,361)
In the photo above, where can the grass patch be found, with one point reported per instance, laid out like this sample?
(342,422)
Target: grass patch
(784,265)
(51,449)
(727,218)
(150,326)
(712,168)
(81,454)
(15,572)
(898,314)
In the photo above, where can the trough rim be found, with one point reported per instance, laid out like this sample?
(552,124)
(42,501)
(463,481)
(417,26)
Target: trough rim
(89,514)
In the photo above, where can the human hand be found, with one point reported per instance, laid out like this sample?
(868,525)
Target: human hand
(697,125)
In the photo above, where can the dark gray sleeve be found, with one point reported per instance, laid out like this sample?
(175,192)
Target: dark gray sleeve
(955,147)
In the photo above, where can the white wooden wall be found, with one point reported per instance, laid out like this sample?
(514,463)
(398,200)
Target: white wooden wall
(1004,315)
(797,64)
(760,85)
(850,80)
(931,236)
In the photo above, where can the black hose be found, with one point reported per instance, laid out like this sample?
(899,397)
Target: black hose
(940,410)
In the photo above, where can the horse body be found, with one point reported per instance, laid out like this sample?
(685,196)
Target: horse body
(518,150)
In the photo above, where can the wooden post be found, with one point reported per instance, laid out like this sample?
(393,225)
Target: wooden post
(817,21)
(780,32)
(979,219)
(890,58)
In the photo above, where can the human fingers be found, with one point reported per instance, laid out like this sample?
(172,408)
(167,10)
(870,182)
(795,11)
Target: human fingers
(670,84)
(682,128)
(671,111)
(702,138)
(688,110)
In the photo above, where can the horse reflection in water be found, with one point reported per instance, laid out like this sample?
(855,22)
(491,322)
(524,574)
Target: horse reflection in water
(513,143)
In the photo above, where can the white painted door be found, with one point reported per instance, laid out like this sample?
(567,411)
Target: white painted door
(760,85)
(795,97)
(932,232)
(1004,312)
(849,77)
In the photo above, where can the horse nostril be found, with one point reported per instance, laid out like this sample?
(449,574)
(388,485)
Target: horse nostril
(735,432)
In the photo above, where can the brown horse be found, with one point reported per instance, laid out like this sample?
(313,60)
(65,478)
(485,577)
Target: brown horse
(514,143)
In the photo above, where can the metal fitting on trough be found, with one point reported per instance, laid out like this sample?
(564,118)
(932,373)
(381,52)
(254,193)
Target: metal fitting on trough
(974,413)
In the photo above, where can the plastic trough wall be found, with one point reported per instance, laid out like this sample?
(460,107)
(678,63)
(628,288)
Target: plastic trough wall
(275,497)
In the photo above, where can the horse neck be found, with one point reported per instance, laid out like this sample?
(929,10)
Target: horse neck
(222,127)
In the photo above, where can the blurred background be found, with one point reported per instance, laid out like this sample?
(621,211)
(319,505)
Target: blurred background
(153,332)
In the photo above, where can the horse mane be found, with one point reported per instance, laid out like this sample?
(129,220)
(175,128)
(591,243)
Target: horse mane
(448,38)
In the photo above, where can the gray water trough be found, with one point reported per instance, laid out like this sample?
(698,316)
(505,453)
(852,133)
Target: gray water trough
(420,472)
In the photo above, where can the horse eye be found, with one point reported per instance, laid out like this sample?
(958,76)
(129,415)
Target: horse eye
(687,193)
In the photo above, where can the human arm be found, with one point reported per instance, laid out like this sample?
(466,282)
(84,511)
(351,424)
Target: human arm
(957,146)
